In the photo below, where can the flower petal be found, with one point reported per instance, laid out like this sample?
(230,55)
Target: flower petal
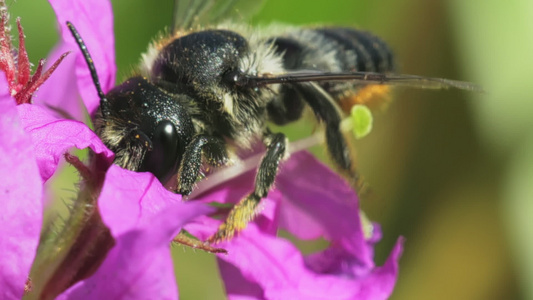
(236,285)
(94,22)
(260,266)
(143,219)
(52,137)
(337,260)
(60,91)
(20,204)
(279,269)
(380,283)
(309,201)
(141,198)
(319,203)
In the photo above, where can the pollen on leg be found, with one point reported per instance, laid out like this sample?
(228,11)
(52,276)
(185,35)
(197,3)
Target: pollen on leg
(243,213)
(374,95)
(238,218)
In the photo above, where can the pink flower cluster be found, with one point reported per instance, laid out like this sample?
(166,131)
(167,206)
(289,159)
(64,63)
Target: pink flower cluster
(309,201)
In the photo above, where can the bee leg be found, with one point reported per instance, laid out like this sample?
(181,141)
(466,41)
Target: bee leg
(287,108)
(325,109)
(186,239)
(244,211)
(213,149)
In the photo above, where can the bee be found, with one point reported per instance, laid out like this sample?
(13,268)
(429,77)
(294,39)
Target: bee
(203,91)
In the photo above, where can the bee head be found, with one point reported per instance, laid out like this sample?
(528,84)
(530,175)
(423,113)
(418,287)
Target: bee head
(145,126)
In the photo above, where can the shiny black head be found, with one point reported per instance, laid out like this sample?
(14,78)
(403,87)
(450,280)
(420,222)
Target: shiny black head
(146,127)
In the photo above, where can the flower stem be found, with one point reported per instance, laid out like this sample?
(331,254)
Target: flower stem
(80,247)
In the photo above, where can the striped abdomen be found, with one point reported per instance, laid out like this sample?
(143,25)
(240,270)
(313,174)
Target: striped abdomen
(332,49)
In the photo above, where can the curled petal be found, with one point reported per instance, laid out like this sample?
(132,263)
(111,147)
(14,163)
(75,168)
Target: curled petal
(380,283)
(142,197)
(52,137)
(20,200)
(143,218)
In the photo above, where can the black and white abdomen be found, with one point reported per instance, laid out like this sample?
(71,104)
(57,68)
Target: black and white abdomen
(328,49)
(334,49)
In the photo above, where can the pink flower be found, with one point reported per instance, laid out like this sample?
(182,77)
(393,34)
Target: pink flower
(142,215)
(309,201)
(143,218)
(21,192)
(94,21)
(143,225)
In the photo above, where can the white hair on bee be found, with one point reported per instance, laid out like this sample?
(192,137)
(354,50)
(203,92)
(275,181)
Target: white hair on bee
(262,59)
(148,58)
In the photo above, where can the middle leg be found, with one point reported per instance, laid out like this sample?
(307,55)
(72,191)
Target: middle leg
(244,211)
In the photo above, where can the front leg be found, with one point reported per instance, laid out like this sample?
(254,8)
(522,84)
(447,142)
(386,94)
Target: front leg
(213,148)
(244,211)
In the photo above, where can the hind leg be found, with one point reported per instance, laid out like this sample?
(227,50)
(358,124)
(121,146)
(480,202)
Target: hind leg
(326,110)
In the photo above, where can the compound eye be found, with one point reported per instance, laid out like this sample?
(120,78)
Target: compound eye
(233,78)
(163,159)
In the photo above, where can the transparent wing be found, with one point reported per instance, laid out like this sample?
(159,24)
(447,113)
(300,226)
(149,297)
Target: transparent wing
(193,13)
(358,77)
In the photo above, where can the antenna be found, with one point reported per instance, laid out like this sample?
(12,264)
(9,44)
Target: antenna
(104,103)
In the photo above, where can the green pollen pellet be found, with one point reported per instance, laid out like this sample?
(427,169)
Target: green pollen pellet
(362,120)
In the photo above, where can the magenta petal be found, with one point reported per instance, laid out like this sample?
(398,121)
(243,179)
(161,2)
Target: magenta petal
(309,201)
(66,100)
(141,198)
(237,286)
(20,200)
(279,269)
(336,260)
(380,283)
(94,22)
(314,202)
(317,202)
(53,137)
(230,191)
(143,217)
(138,267)
(274,269)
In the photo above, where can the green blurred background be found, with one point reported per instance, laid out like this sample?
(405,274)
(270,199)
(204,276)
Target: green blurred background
(452,171)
